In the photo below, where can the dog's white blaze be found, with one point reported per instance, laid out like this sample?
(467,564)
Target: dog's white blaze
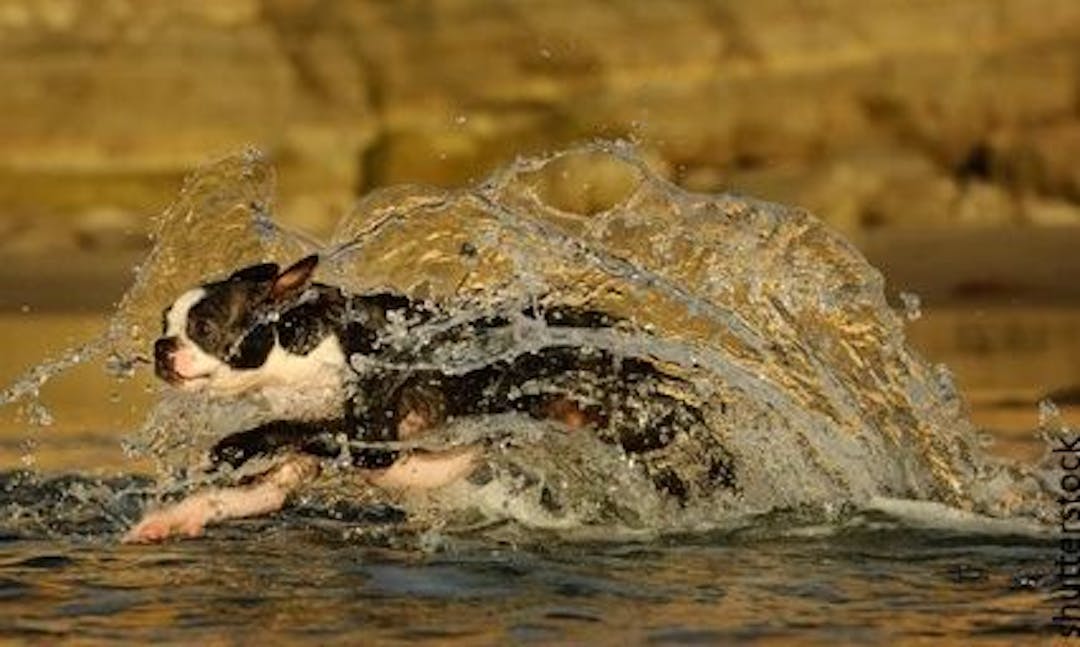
(176,319)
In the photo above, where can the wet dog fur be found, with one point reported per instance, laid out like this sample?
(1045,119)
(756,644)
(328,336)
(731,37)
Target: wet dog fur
(276,332)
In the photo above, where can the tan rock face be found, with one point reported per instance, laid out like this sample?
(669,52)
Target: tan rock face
(106,103)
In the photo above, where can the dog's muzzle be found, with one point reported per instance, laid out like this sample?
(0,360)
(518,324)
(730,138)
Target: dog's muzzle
(164,349)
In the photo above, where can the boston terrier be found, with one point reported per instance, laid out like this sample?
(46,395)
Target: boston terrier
(332,369)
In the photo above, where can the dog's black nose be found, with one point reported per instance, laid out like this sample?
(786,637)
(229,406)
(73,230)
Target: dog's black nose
(163,350)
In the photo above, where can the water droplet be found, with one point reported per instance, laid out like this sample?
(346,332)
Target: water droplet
(130,449)
(38,414)
(912,305)
(28,459)
(1050,415)
(946,383)
(120,367)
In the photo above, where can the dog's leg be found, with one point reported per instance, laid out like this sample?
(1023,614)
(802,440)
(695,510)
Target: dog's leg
(419,406)
(426,470)
(570,413)
(189,517)
(311,437)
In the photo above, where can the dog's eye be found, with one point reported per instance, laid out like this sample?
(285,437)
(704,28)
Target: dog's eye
(203,329)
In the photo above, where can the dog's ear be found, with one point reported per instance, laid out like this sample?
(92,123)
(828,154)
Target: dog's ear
(258,273)
(294,278)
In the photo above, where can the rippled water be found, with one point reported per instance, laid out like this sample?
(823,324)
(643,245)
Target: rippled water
(864,508)
(308,577)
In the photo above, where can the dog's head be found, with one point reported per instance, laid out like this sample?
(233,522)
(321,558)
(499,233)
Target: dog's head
(221,336)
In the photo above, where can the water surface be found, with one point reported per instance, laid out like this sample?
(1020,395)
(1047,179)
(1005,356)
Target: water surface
(321,582)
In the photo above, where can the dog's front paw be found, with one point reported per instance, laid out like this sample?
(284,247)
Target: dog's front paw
(177,521)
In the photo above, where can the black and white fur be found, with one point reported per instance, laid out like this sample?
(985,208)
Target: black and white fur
(275,332)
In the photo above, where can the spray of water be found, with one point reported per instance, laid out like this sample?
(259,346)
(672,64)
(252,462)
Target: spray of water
(776,329)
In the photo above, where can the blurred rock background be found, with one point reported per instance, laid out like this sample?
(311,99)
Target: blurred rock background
(941,135)
(885,114)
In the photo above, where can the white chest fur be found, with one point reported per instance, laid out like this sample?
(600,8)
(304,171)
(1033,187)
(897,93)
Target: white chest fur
(300,387)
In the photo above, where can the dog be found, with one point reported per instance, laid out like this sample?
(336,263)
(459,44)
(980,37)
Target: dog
(329,366)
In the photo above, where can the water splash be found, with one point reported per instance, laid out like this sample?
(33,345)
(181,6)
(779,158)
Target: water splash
(777,328)
(32,505)
(912,305)
(1050,418)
